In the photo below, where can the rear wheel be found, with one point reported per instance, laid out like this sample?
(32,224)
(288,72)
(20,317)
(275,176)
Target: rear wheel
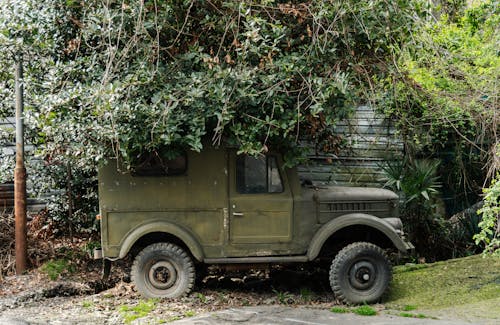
(360,273)
(163,270)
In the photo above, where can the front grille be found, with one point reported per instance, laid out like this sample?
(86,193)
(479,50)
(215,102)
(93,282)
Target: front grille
(348,206)
(370,207)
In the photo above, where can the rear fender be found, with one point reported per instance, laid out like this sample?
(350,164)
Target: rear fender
(164,227)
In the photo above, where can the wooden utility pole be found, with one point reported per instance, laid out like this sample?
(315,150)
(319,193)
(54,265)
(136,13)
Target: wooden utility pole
(20,174)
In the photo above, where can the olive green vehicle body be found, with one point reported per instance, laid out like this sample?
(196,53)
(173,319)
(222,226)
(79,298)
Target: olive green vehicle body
(202,211)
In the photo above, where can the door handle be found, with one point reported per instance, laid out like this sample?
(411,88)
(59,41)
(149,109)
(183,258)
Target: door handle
(238,214)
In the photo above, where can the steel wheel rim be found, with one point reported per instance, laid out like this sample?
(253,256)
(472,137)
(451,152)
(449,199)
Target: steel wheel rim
(162,275)
(362,275)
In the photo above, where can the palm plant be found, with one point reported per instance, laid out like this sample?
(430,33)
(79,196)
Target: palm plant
(417,183)
(415,180)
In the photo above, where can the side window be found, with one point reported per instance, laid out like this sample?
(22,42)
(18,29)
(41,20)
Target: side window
(154,164)
(257,175)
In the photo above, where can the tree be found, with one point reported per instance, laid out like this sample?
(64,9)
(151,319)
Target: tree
(447,93)
(126,77)
(116,79)
(447,97)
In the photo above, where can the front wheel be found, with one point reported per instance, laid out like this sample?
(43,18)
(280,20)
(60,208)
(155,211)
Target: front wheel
(360,273)
(163,270)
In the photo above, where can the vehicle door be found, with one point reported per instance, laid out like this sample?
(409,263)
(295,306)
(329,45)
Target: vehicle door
(261,203)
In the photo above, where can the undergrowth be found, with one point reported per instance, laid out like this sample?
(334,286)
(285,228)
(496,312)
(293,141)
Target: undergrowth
(447,284)
(142,309)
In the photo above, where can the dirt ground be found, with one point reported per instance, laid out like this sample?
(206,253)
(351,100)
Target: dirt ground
(72,292)
(78,299)
(255,297)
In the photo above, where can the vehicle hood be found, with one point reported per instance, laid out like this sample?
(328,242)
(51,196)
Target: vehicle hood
(341,193)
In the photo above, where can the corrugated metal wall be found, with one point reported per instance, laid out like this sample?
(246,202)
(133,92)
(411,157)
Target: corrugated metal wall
(370,140)
(7,131)
(7,148)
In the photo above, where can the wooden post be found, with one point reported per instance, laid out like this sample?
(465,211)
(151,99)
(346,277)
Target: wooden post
(20,175)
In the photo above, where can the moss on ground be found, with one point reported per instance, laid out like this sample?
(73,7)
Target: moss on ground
(471,283)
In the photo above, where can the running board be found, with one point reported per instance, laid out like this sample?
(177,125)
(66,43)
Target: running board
(256,260)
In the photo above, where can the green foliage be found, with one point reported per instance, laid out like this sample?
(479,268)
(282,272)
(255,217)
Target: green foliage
(142,309)
(87,304)
(38,33)
(417,183)
(116,79)
(409,307)
(76,206)
(306,294)
(365,310)
(339,310)
(489,235)
(133,76)
(284,298)
(462,229)
(469,64)
(416,180)
(471,280)
(434,236)
(55,268)
(90,246)
(447,94)
(203,299)
(411,315)
(189,313)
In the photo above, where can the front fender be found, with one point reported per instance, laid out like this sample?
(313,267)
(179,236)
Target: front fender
(164,227)
(355,219)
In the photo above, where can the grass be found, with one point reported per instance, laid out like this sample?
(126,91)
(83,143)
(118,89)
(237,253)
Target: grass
(142,309)
(174,318)
(409,307)
(306,294)
(364,310)
(203,299)
(284,298)
(189,313)
(55,268)
(87,304)
(468,286)
(465,288)
(410,315)
(340,310)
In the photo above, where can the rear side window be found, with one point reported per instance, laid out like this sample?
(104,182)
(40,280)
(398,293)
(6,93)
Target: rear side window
(154,164)
(258,175)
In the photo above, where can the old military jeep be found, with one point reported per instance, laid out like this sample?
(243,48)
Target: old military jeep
(217,207)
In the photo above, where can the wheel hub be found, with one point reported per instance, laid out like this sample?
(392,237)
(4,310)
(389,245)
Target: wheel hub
(362,275)
(162,275)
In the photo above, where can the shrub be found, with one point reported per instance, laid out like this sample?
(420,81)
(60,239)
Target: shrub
(489,235)
(418,185)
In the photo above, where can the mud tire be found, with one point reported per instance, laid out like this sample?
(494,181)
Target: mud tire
(360,273)
(163,270)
